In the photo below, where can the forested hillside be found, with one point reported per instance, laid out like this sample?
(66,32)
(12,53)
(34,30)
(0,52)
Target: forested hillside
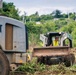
(37,24)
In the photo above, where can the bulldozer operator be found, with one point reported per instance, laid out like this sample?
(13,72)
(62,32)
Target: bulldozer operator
(56,41)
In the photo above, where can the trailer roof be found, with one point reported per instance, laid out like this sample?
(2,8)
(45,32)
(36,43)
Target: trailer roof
(11,21)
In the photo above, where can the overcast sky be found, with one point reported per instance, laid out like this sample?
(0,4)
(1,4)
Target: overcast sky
(44,6)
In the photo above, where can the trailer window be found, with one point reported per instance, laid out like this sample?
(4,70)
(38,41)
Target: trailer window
(0,28)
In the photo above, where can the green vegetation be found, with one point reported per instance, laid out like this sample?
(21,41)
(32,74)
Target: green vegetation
(34,68)
(9,10)
(38,24)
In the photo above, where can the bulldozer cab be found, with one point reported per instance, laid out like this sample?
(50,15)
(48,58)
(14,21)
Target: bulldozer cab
(51,38)
(56,39)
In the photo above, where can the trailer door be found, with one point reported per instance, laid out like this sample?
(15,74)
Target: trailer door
(9,37)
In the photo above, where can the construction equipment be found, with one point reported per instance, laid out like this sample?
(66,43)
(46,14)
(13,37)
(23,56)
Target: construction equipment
(13,44)
(52,54)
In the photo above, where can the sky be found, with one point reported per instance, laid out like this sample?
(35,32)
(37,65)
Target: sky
(44,6)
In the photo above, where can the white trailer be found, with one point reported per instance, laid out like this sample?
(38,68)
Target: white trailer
(13,44)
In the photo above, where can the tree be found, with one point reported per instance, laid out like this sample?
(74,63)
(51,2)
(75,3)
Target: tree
(65,15)
(10,10)
(56,13)
(72,16)
(35,17)
(46,17)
